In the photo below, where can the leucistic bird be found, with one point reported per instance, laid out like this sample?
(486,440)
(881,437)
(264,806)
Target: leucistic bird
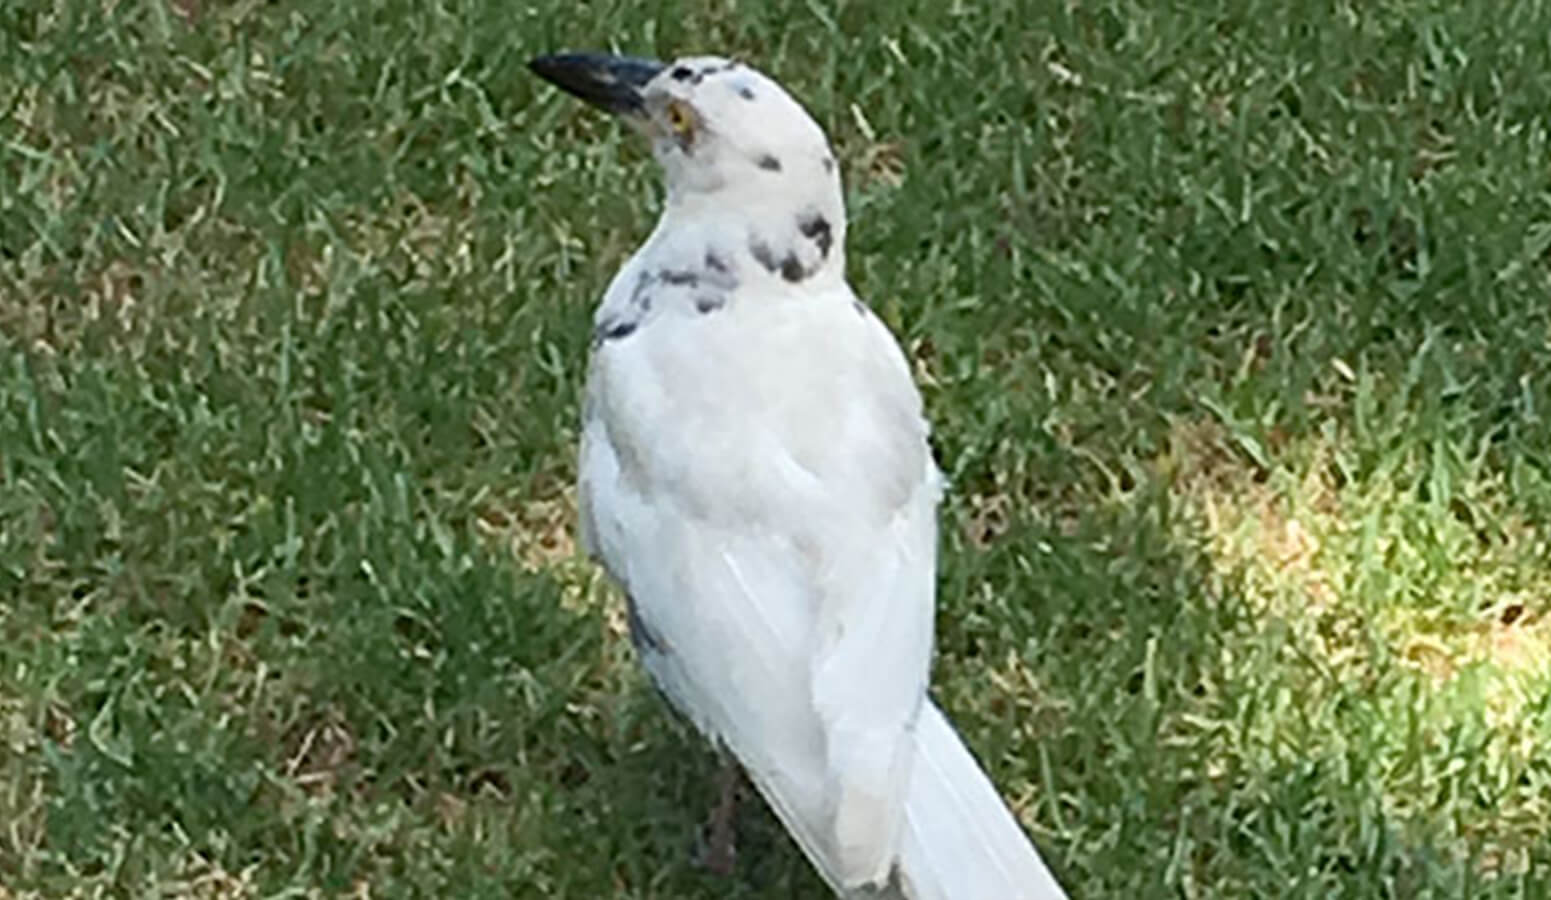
(755,475)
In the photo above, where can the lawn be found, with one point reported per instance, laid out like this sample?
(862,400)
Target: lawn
(1234,320)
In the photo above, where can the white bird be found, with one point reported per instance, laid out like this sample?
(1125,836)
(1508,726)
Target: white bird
(755,474)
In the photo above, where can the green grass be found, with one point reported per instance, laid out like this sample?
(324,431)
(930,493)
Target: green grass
(1232,317)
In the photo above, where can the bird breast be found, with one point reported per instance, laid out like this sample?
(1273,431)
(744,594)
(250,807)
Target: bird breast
(766,409)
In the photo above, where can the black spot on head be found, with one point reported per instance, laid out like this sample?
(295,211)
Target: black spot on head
(682,73)
(816,228)
(715,263)
(860,307)
(769,163)
(791,268)
(829,164)
(713,69)
(708,303)
(678,277)
(745,92)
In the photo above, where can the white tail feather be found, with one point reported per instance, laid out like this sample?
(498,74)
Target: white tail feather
(960,841)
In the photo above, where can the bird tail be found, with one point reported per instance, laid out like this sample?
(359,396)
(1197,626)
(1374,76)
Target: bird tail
(960,841)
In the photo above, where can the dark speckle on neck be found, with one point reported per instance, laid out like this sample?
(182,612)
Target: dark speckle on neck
(816,228)
(614,329)
(763,255)
(679,277)
(789,265)
(641,296)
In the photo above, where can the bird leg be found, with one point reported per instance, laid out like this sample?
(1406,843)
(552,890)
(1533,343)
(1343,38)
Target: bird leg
(720,851)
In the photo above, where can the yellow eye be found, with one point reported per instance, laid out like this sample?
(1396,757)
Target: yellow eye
(680,119)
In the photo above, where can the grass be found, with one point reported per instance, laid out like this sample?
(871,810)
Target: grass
(1232,318)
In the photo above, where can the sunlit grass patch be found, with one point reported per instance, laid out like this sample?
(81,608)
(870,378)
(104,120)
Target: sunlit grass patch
(1396,634)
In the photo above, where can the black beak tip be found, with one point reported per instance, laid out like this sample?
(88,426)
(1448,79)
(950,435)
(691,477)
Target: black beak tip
(550,66)
(610,82)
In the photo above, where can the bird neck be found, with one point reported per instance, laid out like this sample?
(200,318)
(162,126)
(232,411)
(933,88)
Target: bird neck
(767,235)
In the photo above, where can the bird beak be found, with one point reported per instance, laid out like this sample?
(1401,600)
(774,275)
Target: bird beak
(612,83)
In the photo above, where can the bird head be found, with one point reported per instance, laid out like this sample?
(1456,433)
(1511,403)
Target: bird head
(732,143)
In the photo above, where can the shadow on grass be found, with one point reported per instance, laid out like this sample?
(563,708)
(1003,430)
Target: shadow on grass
(1169,731)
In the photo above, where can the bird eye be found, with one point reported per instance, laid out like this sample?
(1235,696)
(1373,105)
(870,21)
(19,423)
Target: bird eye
(680,119)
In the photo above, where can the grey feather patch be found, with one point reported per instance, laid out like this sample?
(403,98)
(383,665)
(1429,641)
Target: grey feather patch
(704,282)
(768,163)
(642,635)
(764,255)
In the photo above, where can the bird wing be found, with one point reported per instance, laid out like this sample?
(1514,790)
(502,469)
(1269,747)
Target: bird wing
(760,483)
